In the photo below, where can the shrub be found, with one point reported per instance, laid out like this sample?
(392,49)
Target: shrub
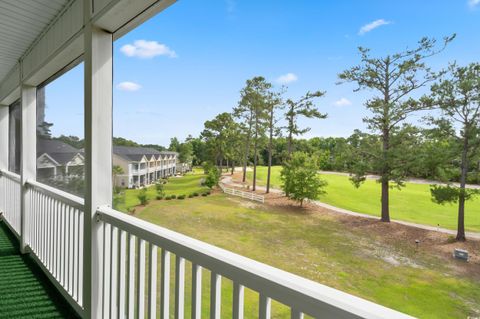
(190,196)
(300,178)
(212,178)
(159,189)
(204,194)
(181,196)
(173,196)
(168,198)
(142,196)
(195,194)
(159,197)
(207,166)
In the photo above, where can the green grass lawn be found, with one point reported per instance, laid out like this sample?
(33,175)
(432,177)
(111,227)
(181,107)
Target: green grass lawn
(412,203)
(183,185)
(320,248)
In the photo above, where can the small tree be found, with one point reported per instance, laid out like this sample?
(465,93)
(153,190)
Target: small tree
(142,196)
(213,176)
(300,178)
(159,187)
(116,170)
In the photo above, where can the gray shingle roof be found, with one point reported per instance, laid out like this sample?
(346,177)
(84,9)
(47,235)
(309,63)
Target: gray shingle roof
(134,153)
(58,150)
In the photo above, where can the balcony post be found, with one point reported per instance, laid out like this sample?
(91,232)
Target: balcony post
(98,156)
(4,137)
(28,164)
(3,148)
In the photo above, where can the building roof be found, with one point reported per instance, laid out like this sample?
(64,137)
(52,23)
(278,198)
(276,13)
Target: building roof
(58,150)
(136,153)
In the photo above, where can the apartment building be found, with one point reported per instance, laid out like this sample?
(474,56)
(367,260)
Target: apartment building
(142,165)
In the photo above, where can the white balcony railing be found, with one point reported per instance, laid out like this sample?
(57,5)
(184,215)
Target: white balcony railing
(54,224)
(135,251)
(10,199)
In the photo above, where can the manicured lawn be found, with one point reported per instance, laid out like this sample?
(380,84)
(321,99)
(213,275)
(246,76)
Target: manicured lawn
(412,203)
(183,185)
(320,248)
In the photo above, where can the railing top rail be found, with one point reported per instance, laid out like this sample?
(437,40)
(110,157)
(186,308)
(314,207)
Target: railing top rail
(305,295)
(10,175)
(66,198)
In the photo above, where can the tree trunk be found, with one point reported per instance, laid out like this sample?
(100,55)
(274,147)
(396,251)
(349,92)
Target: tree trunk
(270,146)
(461,197)
(247,150)
(289,145)
(290,133)
(232,167)
(385,201)
(385,177)
(254,183)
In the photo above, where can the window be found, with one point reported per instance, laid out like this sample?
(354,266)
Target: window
(60,137)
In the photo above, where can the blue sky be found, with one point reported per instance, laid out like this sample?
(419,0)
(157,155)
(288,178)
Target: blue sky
(187,64)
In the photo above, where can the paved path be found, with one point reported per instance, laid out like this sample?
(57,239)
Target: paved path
(227,180)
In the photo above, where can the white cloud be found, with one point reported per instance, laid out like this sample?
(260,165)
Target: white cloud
(343,102)
(473,3)
(287,78)
(129,86)
(375,24)
(147,49)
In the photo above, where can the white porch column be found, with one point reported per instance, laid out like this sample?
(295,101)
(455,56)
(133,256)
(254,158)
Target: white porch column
(3,147)
(4,137)
(98,156)
(28,154)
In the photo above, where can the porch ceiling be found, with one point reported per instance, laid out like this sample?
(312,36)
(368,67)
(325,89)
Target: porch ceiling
(21,23)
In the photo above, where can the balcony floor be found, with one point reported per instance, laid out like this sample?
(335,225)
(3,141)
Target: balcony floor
(25,291)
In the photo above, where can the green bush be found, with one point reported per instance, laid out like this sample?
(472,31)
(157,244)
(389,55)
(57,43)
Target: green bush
(168,198)
(181,196)
(142,196)
(190,196)
(173,196)
(213,176)
(160,189)
(159,197)
(195,194)
(204,194)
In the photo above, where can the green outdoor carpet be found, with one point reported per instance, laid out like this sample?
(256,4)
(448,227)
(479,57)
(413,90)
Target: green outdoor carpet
(25,291)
